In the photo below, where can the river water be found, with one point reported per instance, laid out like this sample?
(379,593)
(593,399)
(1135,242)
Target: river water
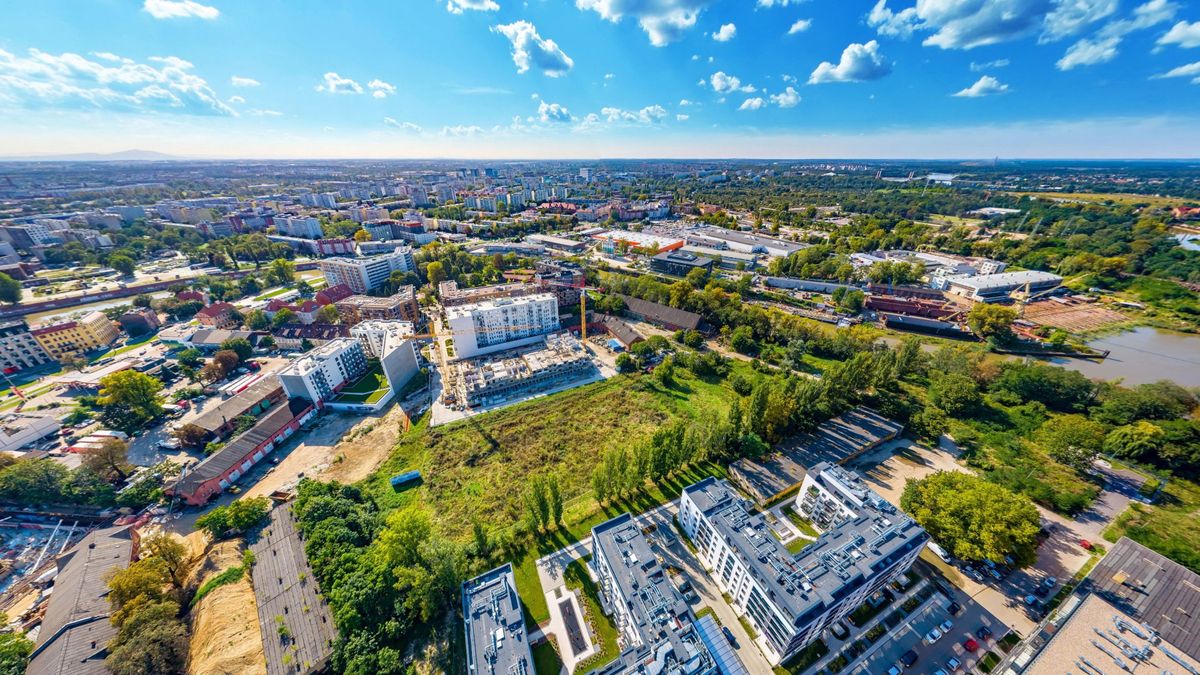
(1143,355)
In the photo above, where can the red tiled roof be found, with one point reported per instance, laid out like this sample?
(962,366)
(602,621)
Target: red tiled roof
(306,307)
(333,294)
(216,309)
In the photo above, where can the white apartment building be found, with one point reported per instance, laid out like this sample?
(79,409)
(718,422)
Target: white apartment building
(788,598)
(19,349)
(319,374)
(501,323)
(375,335)
(304,227)
(363,275)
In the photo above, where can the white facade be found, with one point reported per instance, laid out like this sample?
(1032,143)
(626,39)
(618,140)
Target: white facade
(363,275)
(17,430)
(319,374)
(299,226)
(376,335)
(502,323)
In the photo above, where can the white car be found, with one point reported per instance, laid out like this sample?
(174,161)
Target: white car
(933,636)
(946,626)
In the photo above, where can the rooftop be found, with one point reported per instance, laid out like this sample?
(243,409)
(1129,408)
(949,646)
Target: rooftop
(1006,279)
(495,303)
(215,418)
(497,643)
(239,447)
(820,574)
(752,239)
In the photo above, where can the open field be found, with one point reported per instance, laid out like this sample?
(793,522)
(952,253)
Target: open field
(1100,198)
(1169,527)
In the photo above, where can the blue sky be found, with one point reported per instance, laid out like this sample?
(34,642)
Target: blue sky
(602,78)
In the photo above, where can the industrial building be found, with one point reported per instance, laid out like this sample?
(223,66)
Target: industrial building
(660,315)
(321,373)
(610,239)
(1136,611)
(400,305)
(76,629)
(494,625)
(225,466)
(62,340)
(998,287)
(656,626)
(790,599)
(502,323)
(19,349)
(256,399)
(19,430)
(561,244)
(561,358)
(743,242)
(726,258)
(364,275)
(679,263)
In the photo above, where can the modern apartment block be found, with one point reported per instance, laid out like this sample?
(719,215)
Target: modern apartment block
(656,625)
(319,374)
(401,305)
(363,275)
(489,379)
(502,323)
(790,599)
(19,349)
(74,337)
(494,624)
(305,227)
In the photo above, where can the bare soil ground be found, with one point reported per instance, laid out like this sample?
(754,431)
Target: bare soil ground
(363,447)
(1073,318)
(226,638)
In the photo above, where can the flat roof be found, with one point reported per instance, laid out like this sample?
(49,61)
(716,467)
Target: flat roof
(494,624)
(985,282)
(751,239)
(493,303)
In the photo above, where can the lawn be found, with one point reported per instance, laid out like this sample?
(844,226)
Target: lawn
(132,344)
(1170,527)
(801,523)
(546,660)
(369,388)
(1100,198)
(273,293)
(801,662)
(603,630)
(479,467)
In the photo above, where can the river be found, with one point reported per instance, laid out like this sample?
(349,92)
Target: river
(1143,355)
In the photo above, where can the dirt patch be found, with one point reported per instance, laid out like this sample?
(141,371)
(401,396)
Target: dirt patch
(1075,318)
(364,447)
(226,638)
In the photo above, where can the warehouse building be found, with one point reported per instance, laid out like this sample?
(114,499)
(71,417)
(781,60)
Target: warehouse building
(680,263)
(790,599)
(999,287)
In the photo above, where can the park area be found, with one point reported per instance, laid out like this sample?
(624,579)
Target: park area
(369,388)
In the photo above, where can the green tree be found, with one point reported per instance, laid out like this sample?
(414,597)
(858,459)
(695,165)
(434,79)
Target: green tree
(992,322)
(110,460)
(625,363)
(1073,440)
(435,272)
(234,518)
(974,519)
(152,640)
(15,649)
(742,340)
(190,357)
(257,320)
(955,393)
(1136,441)
(283,316)
(123,264)
(129,399)
(281,272)
(697,277)
(10,289)
(239,346)
(328,314)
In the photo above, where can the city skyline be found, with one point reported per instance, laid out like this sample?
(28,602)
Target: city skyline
(487,79)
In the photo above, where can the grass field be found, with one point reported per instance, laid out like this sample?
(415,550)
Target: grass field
(1100,198)
(132,344)
(369,388)
(1170,527)
(546,660)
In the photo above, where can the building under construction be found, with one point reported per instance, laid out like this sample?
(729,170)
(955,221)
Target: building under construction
(559,359)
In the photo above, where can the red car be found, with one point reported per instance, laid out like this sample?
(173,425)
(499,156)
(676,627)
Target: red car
(1087,545)
(970,644)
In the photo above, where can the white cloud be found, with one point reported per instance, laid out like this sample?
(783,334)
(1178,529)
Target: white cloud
(787,78)
(403,126)
(726,33)
(609,76)
(788,99)
(266,113)
(752,104)
(779,3)
(531,49)
(682,117)
(458,6)
(336,84)
(988,65)
(800,26)
(1184,34)
(724,84)
(462,130)
(859,63)
(651,114)
(239,81)
(984,86)
(683,103)
(1072,16)
(1191,70)
(381,89)
(236,99)
(553,112)
(892,24)
(179,9)
(70,80)
(664,21)
(1088,52)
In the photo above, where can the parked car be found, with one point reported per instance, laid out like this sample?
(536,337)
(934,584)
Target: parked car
(954,609)
(983,632)
(946,626)
(1041,591)
(908,658)
(933,636)
(970,644)
(1050,582)
(728,634)
(1031,600)
(893,670)
(953,664)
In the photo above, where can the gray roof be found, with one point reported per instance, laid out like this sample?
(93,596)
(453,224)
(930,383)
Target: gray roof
(985,282)
(756,240)
(76,630)
(838,440)
(664,314)
(620,330)
(494,625)
(842,559)
(212,420)
(661,618)
(237,449)
(214,337)
(284,586)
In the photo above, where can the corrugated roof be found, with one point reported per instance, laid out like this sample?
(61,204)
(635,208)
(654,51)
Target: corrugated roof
(234,452)
(212,420)
(654,312)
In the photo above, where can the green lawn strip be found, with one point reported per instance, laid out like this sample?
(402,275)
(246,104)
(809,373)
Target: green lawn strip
(801,523)
(603,630)
(128,346)
(1169,527)
(229,576)
(800,663)
(546,660)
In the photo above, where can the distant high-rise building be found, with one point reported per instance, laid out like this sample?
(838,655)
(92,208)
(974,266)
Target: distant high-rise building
(366,274)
